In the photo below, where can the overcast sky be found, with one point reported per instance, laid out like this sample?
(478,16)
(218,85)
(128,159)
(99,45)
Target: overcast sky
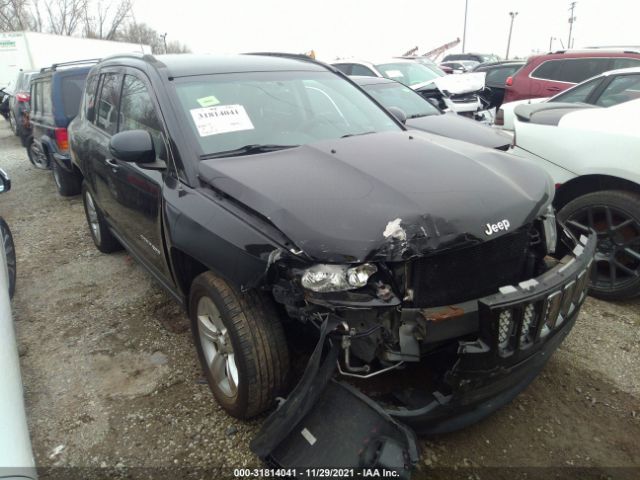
(373,28)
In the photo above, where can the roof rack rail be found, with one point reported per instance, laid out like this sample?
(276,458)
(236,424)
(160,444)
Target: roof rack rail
(296,56)
(55,66)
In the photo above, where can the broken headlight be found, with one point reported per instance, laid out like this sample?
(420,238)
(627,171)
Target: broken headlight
(336,278)
(550,233)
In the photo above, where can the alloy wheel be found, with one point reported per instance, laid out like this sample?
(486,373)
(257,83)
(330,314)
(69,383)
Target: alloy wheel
(216,345)
(618,251)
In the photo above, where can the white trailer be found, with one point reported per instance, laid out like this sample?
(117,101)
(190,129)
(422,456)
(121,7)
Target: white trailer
(33,51)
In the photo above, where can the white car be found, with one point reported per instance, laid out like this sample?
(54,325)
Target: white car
(604,90)
(593,156)
(457,92)
(16,455)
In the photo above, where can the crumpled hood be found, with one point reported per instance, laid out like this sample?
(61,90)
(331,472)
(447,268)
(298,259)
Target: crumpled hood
(383,196)
(457,84)
(461,128)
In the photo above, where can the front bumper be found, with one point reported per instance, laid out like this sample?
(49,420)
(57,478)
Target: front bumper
(517,331)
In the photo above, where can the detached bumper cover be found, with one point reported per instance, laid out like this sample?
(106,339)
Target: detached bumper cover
(519,328)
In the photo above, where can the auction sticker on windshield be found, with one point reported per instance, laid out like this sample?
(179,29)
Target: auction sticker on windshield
(221,119)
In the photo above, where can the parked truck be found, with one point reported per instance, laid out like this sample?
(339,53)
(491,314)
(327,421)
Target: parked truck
(33,51)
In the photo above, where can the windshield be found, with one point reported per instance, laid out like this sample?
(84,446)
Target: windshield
(399,96)
(227,112)
(409,73)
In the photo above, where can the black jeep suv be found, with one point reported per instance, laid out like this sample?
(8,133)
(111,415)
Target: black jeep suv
(271,195)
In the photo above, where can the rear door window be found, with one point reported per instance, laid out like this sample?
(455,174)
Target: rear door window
(46,107)
(579,93)
(72,94)
(90,98)
(107,107)
(623,88)
(625,63)
(34,97)
(576,70)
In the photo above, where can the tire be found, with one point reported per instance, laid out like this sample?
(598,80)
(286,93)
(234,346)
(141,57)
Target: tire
(38,159)
(258,355)
(100,233)
(67,183)
(10,253)
(13,124)
(615,215)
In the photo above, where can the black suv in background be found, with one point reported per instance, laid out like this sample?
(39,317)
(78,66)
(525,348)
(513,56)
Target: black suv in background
(276,200)
(56,93)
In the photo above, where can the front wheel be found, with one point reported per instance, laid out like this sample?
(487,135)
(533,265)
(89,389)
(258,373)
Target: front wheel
(240,343)
(615,216)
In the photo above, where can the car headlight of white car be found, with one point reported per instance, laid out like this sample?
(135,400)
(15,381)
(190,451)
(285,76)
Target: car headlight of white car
(550,232)
(323,278)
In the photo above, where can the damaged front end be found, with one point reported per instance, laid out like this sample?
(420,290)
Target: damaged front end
(420,340)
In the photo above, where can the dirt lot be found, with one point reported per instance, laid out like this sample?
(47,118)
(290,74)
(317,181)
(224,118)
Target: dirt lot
(111,379)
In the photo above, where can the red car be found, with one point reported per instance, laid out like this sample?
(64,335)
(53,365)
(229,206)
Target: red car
(546,75)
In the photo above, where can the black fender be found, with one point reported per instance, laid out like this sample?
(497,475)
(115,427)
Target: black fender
(234,246)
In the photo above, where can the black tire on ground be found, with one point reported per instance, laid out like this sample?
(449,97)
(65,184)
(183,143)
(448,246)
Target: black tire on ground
(13,124)
(67,183)
(100,233)
(261,357)
(36,159)
(10,252)
(615,215)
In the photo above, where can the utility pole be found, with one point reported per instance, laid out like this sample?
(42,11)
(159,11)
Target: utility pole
(513,17)
(551,44)
(464,30)
(572,19)
(164,40)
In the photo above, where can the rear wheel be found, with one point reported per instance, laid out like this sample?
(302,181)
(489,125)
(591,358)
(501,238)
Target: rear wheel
(615,216)
(240,343)
(13,124)
(67,183)
(36,156)
(100,233)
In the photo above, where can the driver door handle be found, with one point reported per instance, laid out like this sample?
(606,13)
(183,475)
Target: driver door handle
(112,163)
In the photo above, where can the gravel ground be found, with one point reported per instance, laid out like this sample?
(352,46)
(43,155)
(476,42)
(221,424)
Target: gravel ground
(111,377)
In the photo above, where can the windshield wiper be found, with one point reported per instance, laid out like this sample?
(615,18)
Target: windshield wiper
(247,150)
(355,134)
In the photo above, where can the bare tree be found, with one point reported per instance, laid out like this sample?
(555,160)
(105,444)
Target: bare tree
(16,15)
(175,46)
(105,20)
(142,33)
(65,15)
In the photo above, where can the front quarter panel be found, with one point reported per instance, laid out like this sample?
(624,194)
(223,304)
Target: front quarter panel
(199,225)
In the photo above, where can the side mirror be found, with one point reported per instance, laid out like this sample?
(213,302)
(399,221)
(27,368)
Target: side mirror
(135,146)
(399,114)
(5,181)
